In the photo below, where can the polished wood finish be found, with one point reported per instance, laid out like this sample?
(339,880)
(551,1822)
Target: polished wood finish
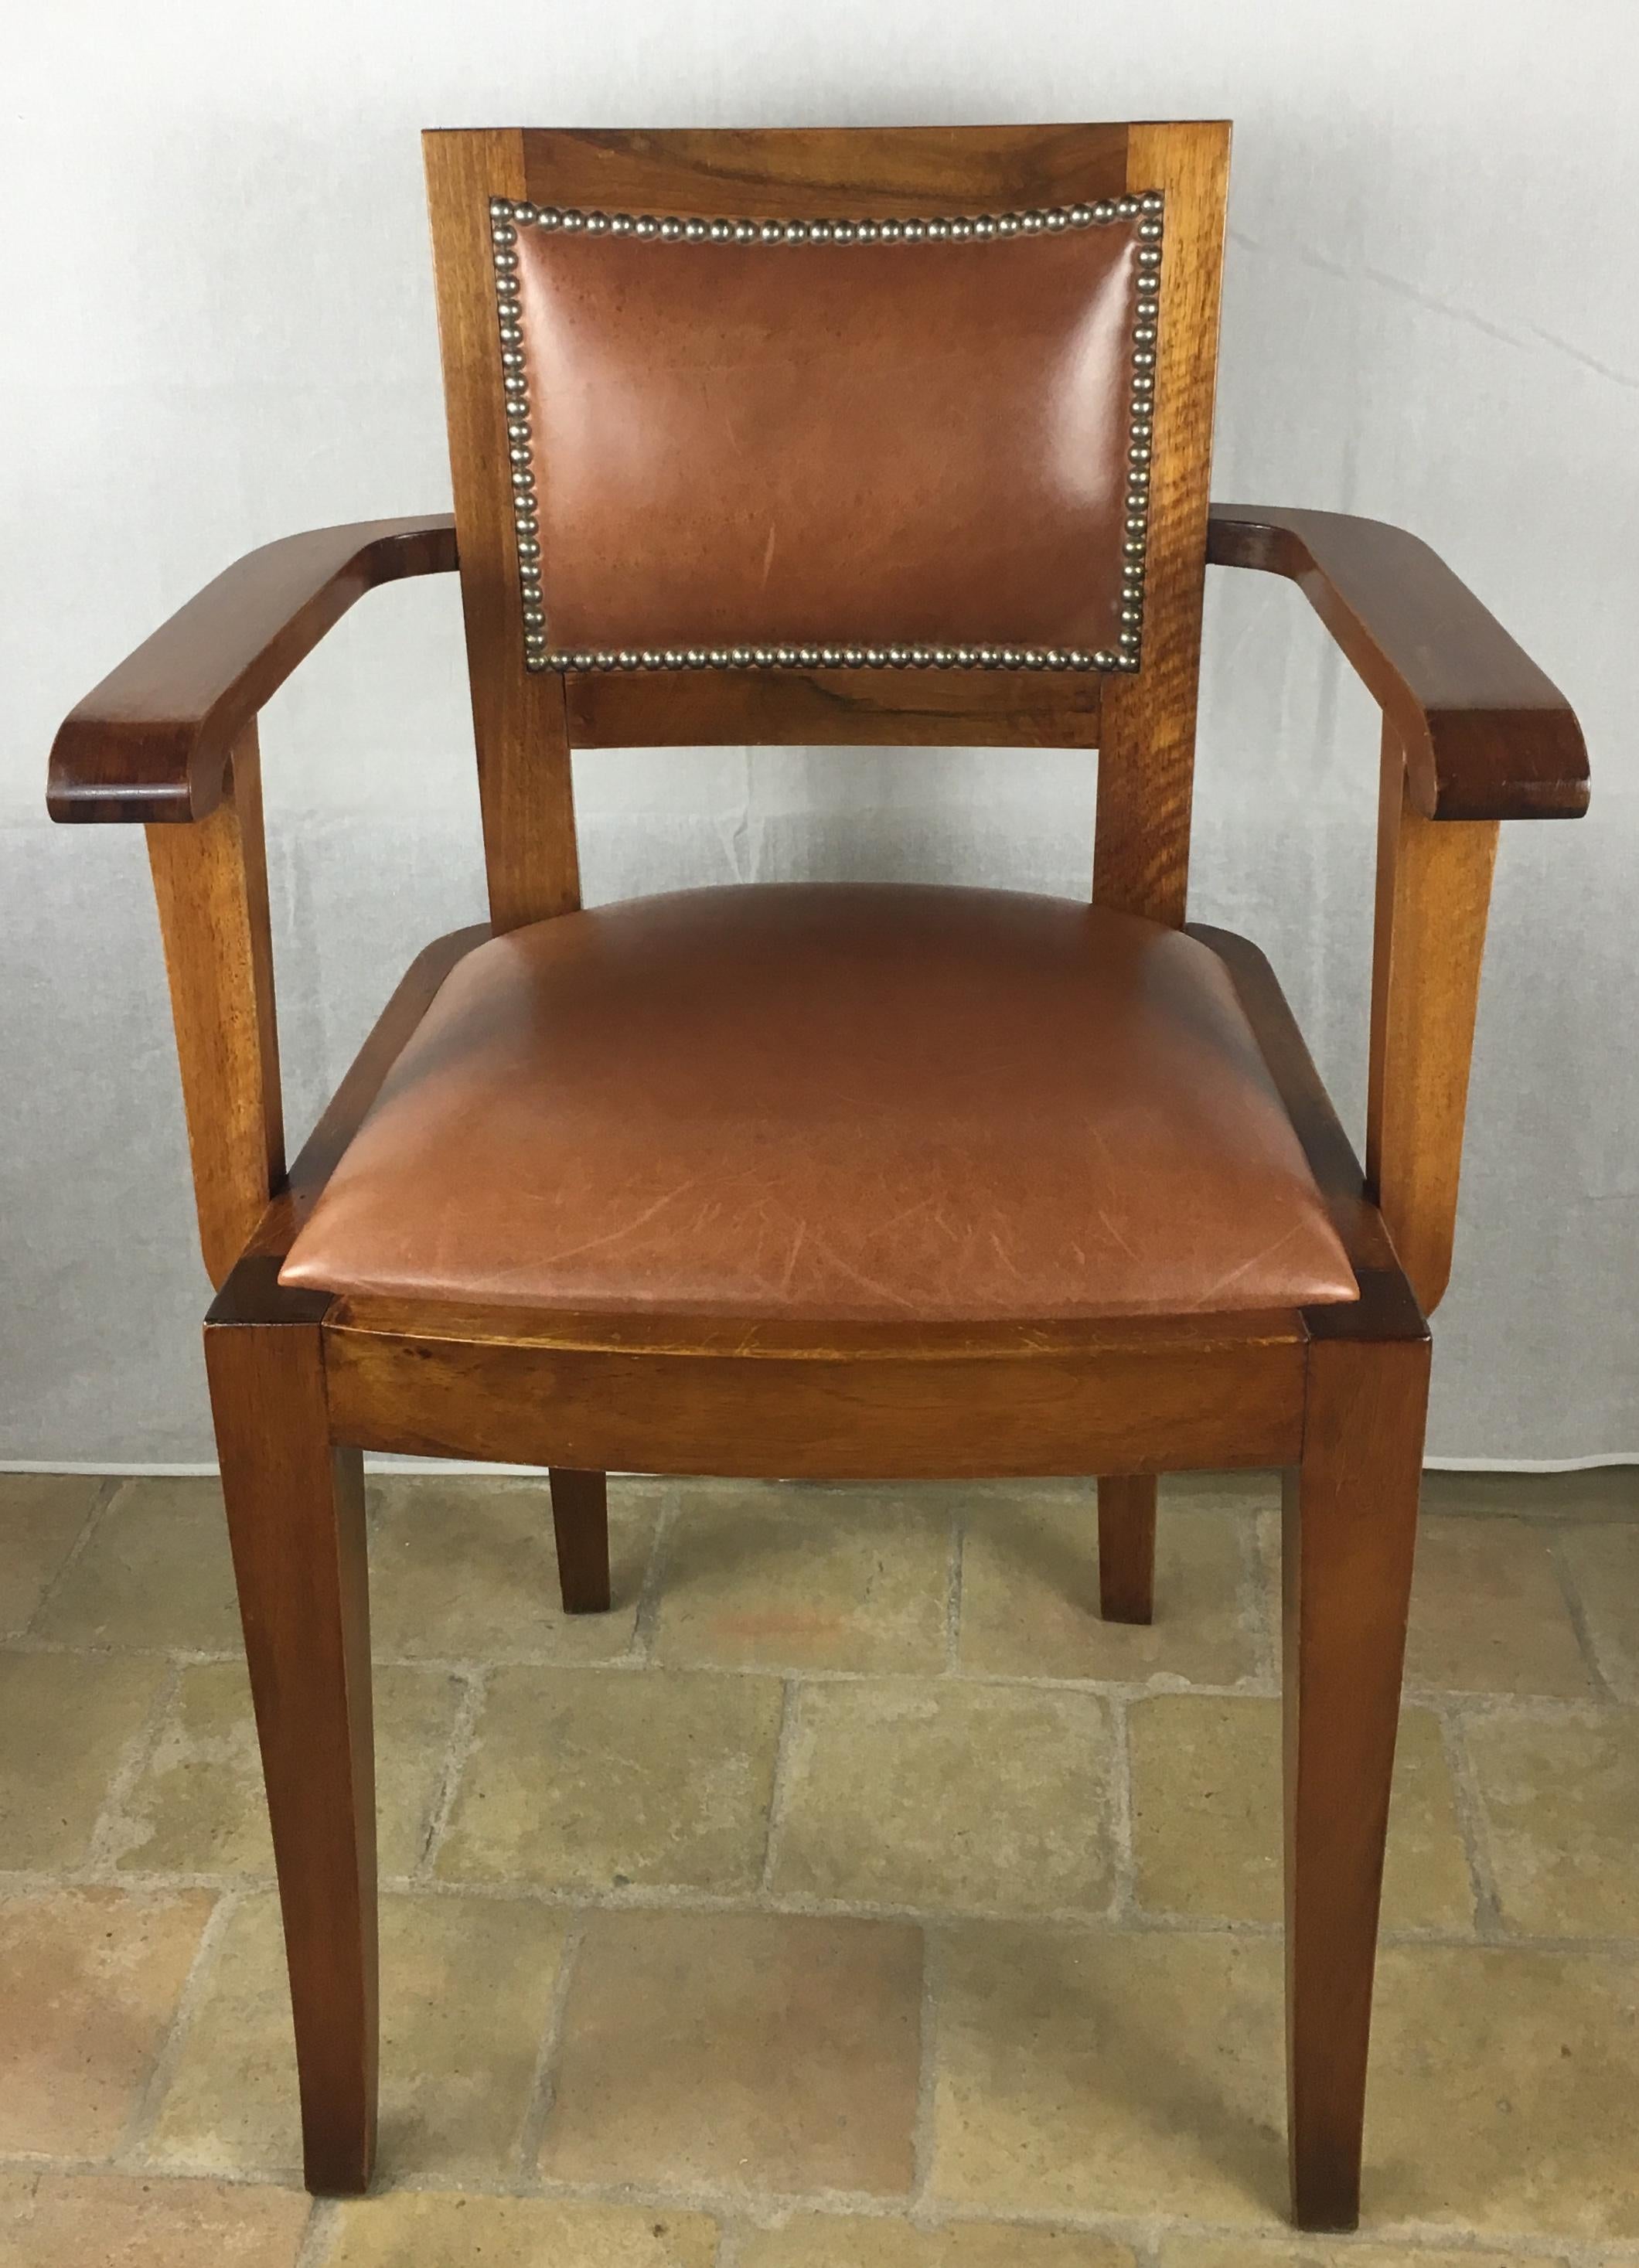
(1486,734)
(770,172)
(296,1521)
(301,1383)
(1147,759)
(1126,1547)
(339,1119)
(1139,1402)
(580,1530)
(833,708)
(152,742)
(1349,1527)
(210,884)
(1434,892)
(525,789)
(1327,1148)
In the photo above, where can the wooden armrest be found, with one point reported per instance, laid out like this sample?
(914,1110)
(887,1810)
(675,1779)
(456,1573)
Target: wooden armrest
(1473,733)
(171,735)
(152,741)
(1487,735)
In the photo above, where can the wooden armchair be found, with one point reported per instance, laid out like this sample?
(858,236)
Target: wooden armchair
(857,437)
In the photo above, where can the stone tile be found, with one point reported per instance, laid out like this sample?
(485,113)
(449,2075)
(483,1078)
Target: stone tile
(41,1514)
(465,1570)
(1029,1596)
(444,2229)
(1206,1830)
(1084,2071)
(941,1793)
(781,1577)
(1603,1565)
(66,1722)
(1489,1614)
(155,1574)
(466,1984)
(198,1806)
(594,1778)
(134,2220)
(1181,2251)
(821,2240)
(1503,2092)
(761,2052)
(89,1981)
(1245,1494)
(1560,1797)
(1601,1492)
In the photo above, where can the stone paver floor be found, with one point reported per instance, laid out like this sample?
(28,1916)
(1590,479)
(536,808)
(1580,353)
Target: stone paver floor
(850,1897)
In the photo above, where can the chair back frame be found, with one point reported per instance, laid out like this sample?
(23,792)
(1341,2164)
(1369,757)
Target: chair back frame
(527,722)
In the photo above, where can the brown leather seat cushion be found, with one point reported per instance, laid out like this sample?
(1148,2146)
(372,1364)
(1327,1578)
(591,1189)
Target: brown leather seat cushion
(831,1101)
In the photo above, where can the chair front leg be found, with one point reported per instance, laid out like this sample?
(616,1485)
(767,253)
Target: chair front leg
(1126,1547)
(1349,1527)
(296,1521)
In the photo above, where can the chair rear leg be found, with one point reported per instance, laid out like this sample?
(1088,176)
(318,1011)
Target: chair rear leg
(1349,1528)
(580,1531)
(1126,1547)
(296,1521)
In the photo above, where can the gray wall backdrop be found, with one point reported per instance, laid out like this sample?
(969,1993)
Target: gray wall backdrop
(219,328)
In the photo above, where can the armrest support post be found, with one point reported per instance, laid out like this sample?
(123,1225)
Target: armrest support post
(169,739)
(1434,891)
(211,883)
(1472,733)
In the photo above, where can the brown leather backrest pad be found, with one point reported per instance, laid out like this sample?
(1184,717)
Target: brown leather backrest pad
(900,172)
(864,447)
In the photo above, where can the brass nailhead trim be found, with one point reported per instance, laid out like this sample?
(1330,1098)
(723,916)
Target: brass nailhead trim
(507,215)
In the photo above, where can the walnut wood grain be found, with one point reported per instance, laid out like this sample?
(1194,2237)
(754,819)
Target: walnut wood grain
(993,1339)
(763,172)
(1486,734)
(1434,880)
(1150,1406)
(296,1522)
(210,885)
(834,708)
(1433,893)
(1348,1529)
(525,789)
(152,742)
(1330,1154)
(342,1116)
(1146,760)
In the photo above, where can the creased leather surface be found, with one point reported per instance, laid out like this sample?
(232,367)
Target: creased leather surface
(815,1101)
(821,445)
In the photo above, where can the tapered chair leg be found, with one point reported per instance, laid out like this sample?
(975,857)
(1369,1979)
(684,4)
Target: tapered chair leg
(296,1521)
(1126,1547)
(1349,1527)
(580,1531)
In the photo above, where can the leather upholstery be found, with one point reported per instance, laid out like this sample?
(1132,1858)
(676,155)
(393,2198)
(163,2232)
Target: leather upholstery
(830,1102)
(826,445)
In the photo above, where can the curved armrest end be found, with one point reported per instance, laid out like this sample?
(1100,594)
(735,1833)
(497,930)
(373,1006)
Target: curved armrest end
(1488,734)
(150,742)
